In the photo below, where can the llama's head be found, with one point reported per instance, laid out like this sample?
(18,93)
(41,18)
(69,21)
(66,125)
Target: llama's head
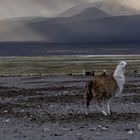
(119,72)
(122,65)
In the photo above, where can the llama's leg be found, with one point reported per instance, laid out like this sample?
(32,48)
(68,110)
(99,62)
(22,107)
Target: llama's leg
(87,108)
(102,107)
(108,108)
(88,96)
(118,93)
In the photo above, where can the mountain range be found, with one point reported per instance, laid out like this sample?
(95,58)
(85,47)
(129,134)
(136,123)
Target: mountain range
(111,7)
(100,21)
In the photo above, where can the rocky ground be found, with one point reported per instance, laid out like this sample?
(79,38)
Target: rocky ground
(52,108)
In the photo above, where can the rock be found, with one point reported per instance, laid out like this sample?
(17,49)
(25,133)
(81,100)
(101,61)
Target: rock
(58,134)
(26,125)
(22,110)
(66,129)
(78,134)
(139,126)
(52,106)
(106,120)
(65,92)
(5,111)
(130,132)
(46,129)
(79,112)
(68,107)
(7,120)
(103,128)
(15,131)
(93,129)
(97,133)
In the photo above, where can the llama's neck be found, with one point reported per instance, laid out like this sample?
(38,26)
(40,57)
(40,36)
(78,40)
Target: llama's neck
(119,77)
(119,72)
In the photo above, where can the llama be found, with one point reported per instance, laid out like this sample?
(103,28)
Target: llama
(104,87)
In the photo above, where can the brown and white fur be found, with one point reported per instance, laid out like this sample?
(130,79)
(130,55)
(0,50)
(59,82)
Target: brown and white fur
(104,87)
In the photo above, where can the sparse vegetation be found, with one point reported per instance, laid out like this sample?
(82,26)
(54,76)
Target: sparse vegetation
(14,66)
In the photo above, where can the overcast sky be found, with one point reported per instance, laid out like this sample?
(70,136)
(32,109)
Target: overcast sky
(25,8)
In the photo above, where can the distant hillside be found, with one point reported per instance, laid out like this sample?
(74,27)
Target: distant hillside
(22,29)
(91,13)
(121,28)
(112,7)
(100,21)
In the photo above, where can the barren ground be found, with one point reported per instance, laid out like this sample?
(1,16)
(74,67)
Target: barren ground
(52,108)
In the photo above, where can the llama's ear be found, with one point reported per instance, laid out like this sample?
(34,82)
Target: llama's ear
(105,71)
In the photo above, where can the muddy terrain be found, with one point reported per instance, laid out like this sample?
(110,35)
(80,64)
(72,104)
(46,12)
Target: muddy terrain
(52,108)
